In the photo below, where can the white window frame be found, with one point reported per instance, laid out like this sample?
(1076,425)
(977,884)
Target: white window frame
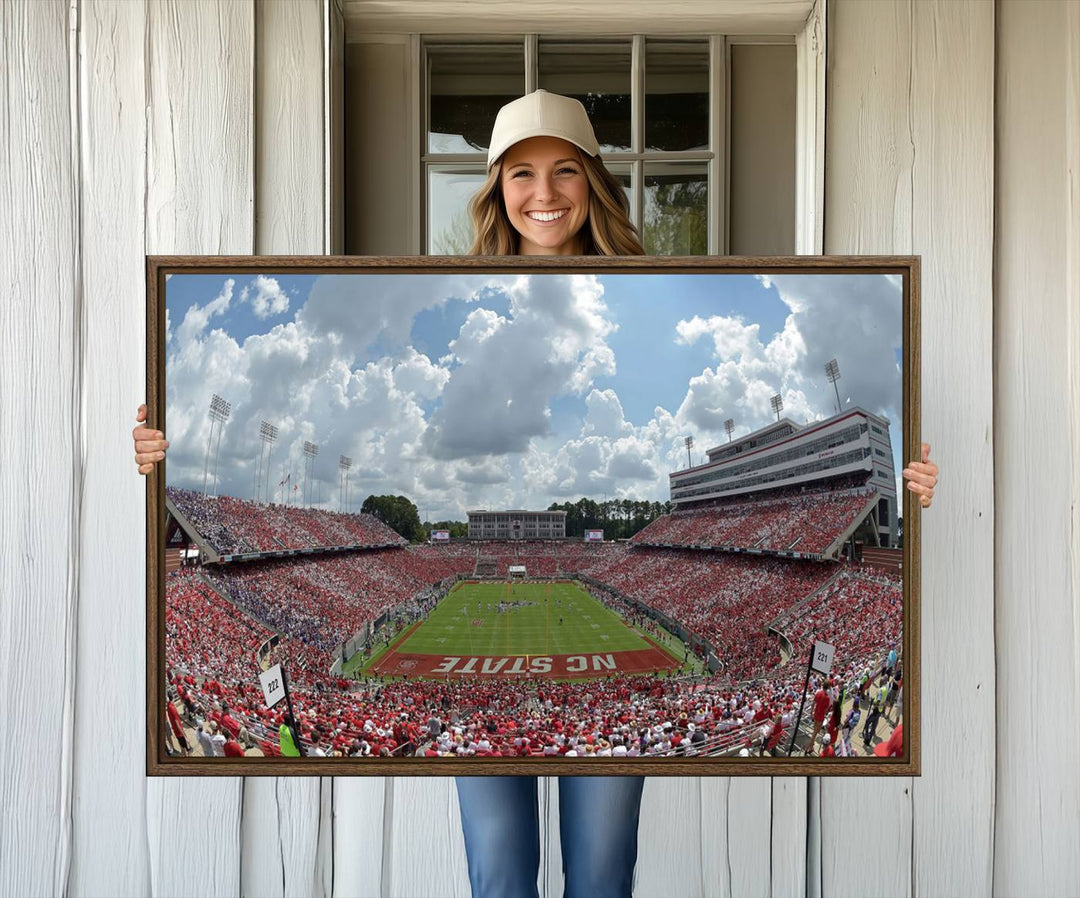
(810,126)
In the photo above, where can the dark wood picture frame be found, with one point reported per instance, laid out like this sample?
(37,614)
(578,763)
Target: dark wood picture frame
(159,763)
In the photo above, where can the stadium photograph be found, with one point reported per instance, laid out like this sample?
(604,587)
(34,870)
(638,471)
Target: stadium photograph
(548,515)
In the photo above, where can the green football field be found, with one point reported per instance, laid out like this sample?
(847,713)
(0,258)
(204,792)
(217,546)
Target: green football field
(468,621)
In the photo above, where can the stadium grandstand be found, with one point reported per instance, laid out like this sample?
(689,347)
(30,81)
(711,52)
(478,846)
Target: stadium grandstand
(691,638)
(845,457)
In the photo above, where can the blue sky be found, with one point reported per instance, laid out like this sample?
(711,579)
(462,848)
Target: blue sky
(477,390)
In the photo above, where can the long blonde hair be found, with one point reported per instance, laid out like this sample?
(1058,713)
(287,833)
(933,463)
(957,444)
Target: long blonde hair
(607,231)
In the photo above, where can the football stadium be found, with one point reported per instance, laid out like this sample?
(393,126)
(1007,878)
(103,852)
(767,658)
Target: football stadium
(689,639)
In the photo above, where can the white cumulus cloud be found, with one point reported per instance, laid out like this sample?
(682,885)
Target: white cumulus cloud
(266,297)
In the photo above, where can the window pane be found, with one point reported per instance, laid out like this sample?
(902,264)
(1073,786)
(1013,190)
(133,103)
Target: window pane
(467,86)
(676,95)
(449,191)
(597,74)
(676,209)
(624,176)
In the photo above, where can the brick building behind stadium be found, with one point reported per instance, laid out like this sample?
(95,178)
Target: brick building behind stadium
(517,524)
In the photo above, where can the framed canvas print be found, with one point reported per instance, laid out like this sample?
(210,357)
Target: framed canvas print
(444,516)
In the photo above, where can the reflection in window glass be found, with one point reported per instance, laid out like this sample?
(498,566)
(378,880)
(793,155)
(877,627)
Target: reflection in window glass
(449,191)
(623,176)
(676,209)
(467,85)
(597,74)
(676,95)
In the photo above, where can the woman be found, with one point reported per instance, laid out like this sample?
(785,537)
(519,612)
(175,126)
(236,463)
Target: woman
(547,193)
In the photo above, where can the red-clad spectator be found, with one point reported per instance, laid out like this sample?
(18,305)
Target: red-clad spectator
(177,727)
(776,735)
(229,723)
(822,703)
(894,747)
(233,749)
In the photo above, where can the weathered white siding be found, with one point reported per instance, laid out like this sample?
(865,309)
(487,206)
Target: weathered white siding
(110,790)
(285,831)
(199,199)
(910,152)
(953,132)
(41,446)
(1037,448)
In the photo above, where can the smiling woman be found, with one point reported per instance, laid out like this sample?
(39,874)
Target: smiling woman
(547,190)
(546,195)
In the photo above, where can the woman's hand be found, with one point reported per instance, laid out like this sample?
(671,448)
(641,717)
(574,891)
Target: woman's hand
(150,445)
(921,477)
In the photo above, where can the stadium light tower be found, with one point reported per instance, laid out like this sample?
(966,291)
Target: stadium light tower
(689,444)
(310,451)
(729,426)
(219,414)
(268,433)
(832,371)
(224,411)
(344,463)
(777,404)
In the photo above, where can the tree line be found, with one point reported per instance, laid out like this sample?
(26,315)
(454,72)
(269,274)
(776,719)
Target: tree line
(398,513)
(618,518)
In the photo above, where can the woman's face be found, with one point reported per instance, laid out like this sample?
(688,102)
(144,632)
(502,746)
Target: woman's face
(546,195)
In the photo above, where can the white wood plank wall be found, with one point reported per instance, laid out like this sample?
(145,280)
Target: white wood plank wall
(109,817)
(41,447)
(199,199)
(1037,448)
(953,132)
(286,832)
(909,169)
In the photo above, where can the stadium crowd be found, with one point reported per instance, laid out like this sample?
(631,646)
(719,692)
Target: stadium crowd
(325,600)
(861,611)
(236,526)
(727,600)
(803,522)
(316,603)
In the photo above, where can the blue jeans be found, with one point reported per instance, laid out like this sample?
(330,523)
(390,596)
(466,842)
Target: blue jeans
(598,824)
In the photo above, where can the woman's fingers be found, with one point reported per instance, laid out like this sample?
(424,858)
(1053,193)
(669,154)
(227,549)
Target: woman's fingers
(925,467)
(150,444)
(927,478)
(142,432)
(924,492)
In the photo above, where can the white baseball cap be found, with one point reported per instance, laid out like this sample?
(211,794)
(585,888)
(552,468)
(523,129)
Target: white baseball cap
(541,114)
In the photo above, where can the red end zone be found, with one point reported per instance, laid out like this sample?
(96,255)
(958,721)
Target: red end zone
(562,667)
